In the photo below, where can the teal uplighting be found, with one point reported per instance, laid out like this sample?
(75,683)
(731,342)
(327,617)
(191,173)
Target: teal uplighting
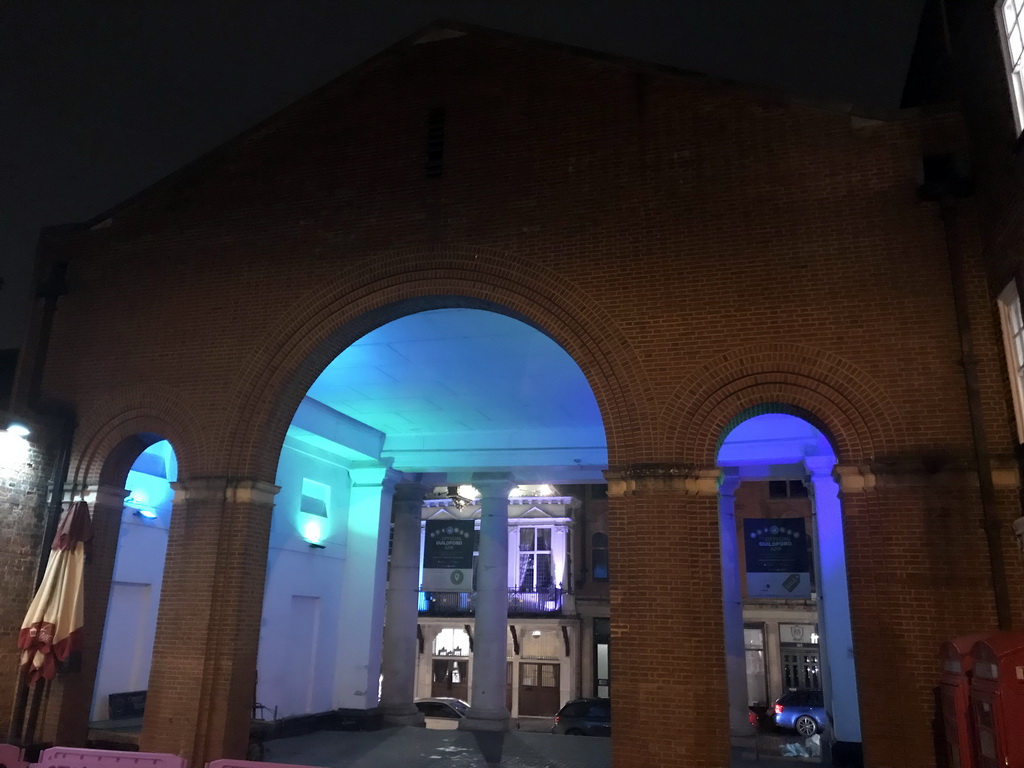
(149,481)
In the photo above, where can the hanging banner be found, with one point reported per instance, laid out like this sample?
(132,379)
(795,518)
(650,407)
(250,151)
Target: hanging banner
(448,555)
(778,560)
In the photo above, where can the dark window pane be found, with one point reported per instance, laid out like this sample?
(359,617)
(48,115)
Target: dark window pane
(525,539)
(543,539)
(544,577)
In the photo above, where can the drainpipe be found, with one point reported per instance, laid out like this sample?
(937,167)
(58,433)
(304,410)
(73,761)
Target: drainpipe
(944,183)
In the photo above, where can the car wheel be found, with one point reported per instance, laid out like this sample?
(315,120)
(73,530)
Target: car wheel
(805,725)
(575,732)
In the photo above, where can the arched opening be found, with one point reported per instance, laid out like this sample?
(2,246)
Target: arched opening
(788,637)
(127,647)
(448,404)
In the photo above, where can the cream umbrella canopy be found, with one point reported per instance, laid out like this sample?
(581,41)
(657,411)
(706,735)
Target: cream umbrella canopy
(52,629)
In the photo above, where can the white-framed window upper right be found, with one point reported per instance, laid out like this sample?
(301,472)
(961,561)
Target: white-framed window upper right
(1009,15)
(1013,341)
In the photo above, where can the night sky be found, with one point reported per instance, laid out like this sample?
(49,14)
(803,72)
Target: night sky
(101,99)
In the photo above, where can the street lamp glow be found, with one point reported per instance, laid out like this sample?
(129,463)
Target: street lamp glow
(18,429)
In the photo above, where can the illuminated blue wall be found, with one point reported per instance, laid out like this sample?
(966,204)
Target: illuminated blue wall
(784,446)
(127,647)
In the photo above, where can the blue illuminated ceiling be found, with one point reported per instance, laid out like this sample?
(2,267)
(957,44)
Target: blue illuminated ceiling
(772,444)
(459,389)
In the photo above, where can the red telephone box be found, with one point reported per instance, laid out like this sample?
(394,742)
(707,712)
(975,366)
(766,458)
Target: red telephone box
(957,670)
(997,699)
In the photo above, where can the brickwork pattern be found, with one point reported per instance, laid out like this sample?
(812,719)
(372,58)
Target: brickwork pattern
(667,621)
(204,658)
(700,250)
(912,586)
(23,502)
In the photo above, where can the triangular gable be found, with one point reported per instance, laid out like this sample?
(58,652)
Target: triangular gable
(174,187)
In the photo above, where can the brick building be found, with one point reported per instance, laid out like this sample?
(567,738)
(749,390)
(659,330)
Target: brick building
(704,253)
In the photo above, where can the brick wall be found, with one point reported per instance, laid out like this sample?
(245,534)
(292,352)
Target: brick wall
(701,251)
(23,499)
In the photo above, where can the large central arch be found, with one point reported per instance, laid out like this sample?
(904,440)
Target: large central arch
(395,284)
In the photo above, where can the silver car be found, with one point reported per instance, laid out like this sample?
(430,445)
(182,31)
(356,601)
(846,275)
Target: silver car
(442,713)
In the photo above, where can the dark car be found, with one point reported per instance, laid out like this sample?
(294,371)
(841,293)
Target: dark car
(801,711)
(584,717)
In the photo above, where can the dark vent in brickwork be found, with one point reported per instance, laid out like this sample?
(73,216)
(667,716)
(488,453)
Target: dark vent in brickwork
(435,142)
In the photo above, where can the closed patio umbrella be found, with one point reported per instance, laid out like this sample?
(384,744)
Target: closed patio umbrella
(52,629)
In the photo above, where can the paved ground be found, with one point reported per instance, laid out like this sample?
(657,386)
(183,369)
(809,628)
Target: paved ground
(407,747)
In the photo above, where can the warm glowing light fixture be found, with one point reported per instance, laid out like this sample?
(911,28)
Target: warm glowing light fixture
(18,429)
(313,534)
(469,492)
(138,501)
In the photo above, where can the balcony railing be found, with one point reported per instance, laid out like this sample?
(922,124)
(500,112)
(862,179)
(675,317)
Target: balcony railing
(520,603)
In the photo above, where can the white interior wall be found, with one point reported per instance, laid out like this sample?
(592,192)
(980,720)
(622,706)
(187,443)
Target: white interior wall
(127,647)
(299,627)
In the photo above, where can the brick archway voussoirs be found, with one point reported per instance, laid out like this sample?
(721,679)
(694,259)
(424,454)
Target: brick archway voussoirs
(392,285)
(852,410)
(128,412)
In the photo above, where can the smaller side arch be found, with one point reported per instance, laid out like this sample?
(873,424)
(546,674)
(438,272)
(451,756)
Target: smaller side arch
(820,387)
(110,438)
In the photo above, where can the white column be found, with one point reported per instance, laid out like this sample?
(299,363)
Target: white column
(398,689)
(488,712)
(732,602)
(362,588)
(839,682)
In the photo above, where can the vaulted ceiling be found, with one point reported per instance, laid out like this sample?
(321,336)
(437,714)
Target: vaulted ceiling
(462,389)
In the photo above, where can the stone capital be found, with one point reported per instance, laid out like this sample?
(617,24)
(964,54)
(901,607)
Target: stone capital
(854,478)
(102,496)
(916,471)
(493,484)
(218,489)
(376,476)
(819,467)
(684,479)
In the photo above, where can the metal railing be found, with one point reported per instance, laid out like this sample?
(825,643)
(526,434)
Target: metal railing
(520,603)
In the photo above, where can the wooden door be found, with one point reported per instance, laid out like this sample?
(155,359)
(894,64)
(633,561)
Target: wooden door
(539,689)
(451,678)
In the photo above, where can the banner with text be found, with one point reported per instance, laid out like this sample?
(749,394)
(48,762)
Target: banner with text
(778,560)
(448,555)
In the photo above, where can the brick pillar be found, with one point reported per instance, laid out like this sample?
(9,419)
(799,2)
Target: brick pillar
(398,689)
(202,683)
(66,717)
(668,633)
(917,566)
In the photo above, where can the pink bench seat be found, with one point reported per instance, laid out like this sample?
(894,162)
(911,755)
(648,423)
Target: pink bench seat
(69,757)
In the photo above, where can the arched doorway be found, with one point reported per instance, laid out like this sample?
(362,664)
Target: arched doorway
(788,630)
(126,651)
(436,399)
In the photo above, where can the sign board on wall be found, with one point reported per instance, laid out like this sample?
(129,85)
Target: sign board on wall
(448,555)
(798,634)
(778,561)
